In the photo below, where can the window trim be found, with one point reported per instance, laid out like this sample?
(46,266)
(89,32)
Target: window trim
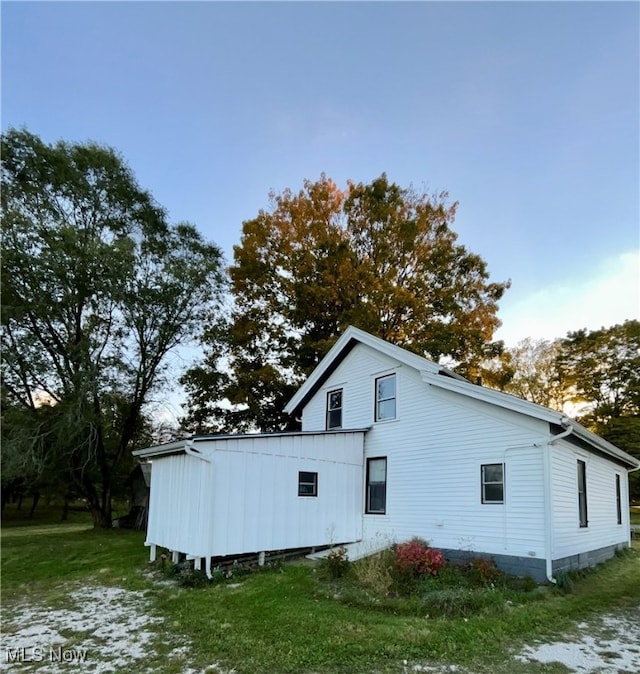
(314,483)
(327,426)
(367,495)
(618,499)
(377,401)
(583,510)
(484,483)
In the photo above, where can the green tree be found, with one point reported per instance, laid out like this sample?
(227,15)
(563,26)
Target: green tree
(603,366)
(603,369)
(373,255)
(530,371)
(97,290)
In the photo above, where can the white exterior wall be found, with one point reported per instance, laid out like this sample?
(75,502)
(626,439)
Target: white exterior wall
(434,451)
(179,504)
(602,530)
(246,499)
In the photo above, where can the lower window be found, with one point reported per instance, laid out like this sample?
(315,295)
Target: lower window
(582,494)
(376,486)
(307,483)
(492,479)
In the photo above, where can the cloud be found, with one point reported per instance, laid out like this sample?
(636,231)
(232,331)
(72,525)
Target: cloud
(611,295)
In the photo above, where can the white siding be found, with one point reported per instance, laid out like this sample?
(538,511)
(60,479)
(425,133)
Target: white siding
(602,530)
(434,451)
(180,504)
(246,499)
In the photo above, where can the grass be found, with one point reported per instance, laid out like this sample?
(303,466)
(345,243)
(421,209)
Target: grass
(292,620)
(635,515)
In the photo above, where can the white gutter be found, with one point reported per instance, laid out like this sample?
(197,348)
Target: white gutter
(188,448)
(548,498)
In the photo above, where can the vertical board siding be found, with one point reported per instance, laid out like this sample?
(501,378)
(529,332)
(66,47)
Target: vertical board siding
(434,451)
(603,528)
(180,503)
(246,499)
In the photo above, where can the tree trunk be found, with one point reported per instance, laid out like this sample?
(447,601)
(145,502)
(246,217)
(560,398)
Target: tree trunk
(101,519)
(36,498)
(100,509)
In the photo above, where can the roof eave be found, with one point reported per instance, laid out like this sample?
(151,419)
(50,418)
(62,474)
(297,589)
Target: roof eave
(510,402)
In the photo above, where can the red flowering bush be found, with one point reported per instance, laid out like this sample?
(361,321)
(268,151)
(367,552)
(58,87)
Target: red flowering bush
(416,558)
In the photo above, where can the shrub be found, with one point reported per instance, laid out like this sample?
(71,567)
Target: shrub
(375,572)
(193,578)
(564,582)
(485,571)
(416,558)
(337,562)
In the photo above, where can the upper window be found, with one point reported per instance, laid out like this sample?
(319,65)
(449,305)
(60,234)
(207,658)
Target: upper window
(307,483)
(618,500)
(492,478)
(582,493)
(386,397)
(376,486)
(334,409)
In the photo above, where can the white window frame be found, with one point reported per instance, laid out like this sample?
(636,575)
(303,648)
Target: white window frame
(313,483)
(583,505)
(367,508)
(484,483)
(378,400)
(328,427)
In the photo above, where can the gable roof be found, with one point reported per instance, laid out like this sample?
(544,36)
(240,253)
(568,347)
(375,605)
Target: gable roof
(339,351)
(437,375)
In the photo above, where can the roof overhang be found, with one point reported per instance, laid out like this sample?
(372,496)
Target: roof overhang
(177,447)
(186,446)
(510,402)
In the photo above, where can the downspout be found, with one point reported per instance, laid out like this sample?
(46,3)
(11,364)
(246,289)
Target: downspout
(629,471)
(548,509)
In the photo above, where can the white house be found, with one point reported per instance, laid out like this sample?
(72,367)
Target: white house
(395,446)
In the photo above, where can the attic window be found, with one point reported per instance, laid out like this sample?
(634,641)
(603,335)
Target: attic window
(492,477)
(334,409)
(386,397)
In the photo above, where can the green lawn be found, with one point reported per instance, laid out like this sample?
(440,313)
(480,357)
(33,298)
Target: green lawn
(635,515)
(288,620)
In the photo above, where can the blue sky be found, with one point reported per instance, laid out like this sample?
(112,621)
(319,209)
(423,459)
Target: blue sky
(526,113)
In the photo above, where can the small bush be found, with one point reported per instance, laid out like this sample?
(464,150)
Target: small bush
(521,583)
(564,582)
(193,578)
(485,571)
(337,562)
(376,572)
(416,558)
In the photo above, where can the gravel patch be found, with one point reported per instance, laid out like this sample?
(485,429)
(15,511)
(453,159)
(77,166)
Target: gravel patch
(610,645)
(105,629)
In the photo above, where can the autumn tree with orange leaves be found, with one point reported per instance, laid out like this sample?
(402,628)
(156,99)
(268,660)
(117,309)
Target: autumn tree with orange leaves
(377,256)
